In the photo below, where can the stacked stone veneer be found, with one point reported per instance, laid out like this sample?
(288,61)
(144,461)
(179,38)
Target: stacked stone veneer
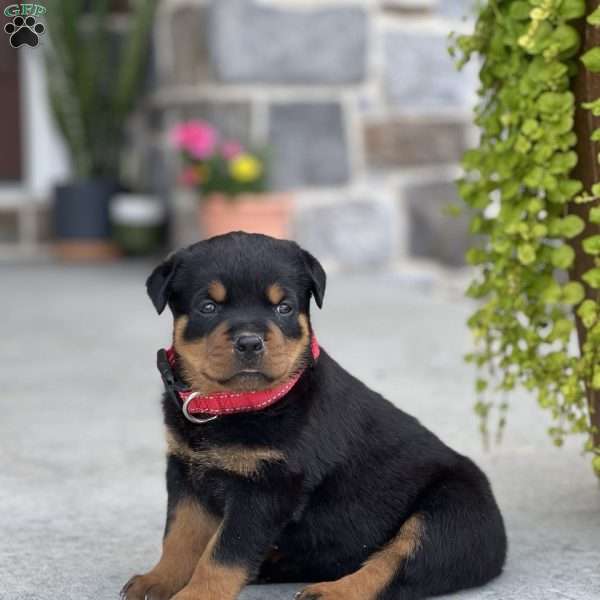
(358,102)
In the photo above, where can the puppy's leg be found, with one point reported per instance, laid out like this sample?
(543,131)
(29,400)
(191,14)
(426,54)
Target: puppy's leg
(254,518)
(377,573)
(188,530)
(455,540)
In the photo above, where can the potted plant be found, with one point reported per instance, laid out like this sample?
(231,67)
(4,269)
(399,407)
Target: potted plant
(232,184)
(137,222)
(94,82)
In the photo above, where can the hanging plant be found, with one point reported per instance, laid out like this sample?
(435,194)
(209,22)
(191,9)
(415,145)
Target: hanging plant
(520,186)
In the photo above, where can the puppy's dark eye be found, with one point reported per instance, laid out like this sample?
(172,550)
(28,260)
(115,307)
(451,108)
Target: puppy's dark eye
(284,308)
(208,308)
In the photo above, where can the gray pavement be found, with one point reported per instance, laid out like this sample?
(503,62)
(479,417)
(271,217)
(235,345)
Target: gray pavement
(81,446)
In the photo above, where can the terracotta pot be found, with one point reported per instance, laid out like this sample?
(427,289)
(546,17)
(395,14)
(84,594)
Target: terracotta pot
(269,214)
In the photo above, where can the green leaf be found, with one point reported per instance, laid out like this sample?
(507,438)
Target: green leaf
(588,313)
(563,162)
(596,386)
(567,189)
(595,215)
(573,293)
(519,11)
(562,330)
(555,102)
(526,254)
(594,18)
(563,257)
(550,292)
(593,106)
(522,145)
(564,40)
(539,40)
(591,60)
(531,128)
(572,9)
(592,245)
(571,226)
(534,178)
(475,256)
(592,278)
(502,245)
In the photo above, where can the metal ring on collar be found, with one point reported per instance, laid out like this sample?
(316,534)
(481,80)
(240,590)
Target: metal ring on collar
(191,418)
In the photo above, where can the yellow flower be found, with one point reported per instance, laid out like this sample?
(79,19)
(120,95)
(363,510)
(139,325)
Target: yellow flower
(245,168)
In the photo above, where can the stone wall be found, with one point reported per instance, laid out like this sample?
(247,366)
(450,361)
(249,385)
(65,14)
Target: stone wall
(358,101)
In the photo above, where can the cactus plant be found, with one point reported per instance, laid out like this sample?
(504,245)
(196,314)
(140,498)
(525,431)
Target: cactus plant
(95,78)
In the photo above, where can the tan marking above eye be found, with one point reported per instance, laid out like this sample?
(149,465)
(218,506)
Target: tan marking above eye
(217,291)
(275,293)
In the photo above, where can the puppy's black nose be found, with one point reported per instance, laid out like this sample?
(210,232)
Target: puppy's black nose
(249,344)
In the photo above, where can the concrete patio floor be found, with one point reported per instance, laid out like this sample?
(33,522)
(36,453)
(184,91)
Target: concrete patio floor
(81,446)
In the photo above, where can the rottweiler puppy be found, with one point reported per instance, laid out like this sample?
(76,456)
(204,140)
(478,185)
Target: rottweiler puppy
(282,466)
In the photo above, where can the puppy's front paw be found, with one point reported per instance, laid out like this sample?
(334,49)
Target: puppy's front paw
(146,587)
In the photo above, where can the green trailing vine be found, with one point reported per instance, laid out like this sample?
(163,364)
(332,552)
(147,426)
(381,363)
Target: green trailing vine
(518,186)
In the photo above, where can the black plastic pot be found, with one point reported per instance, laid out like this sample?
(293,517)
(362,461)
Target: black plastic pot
(81,210)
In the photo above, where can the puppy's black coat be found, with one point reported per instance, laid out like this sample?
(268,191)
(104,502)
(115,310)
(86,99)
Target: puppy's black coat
(328,479)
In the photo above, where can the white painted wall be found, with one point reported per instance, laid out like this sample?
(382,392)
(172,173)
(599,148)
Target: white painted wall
(46,160)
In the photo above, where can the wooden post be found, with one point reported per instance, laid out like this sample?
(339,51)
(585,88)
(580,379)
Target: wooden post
(586,87)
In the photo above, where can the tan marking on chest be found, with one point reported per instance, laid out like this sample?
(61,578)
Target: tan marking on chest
(245,461)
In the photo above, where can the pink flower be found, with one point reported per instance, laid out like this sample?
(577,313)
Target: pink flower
(197,138)
(231,148)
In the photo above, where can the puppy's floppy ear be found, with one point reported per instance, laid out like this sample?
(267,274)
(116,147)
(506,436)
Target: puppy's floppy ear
(317,275)
(158,284)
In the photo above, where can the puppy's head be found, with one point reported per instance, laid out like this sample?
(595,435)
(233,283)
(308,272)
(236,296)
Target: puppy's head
(240,304)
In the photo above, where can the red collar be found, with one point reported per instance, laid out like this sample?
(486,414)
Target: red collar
(217,404)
